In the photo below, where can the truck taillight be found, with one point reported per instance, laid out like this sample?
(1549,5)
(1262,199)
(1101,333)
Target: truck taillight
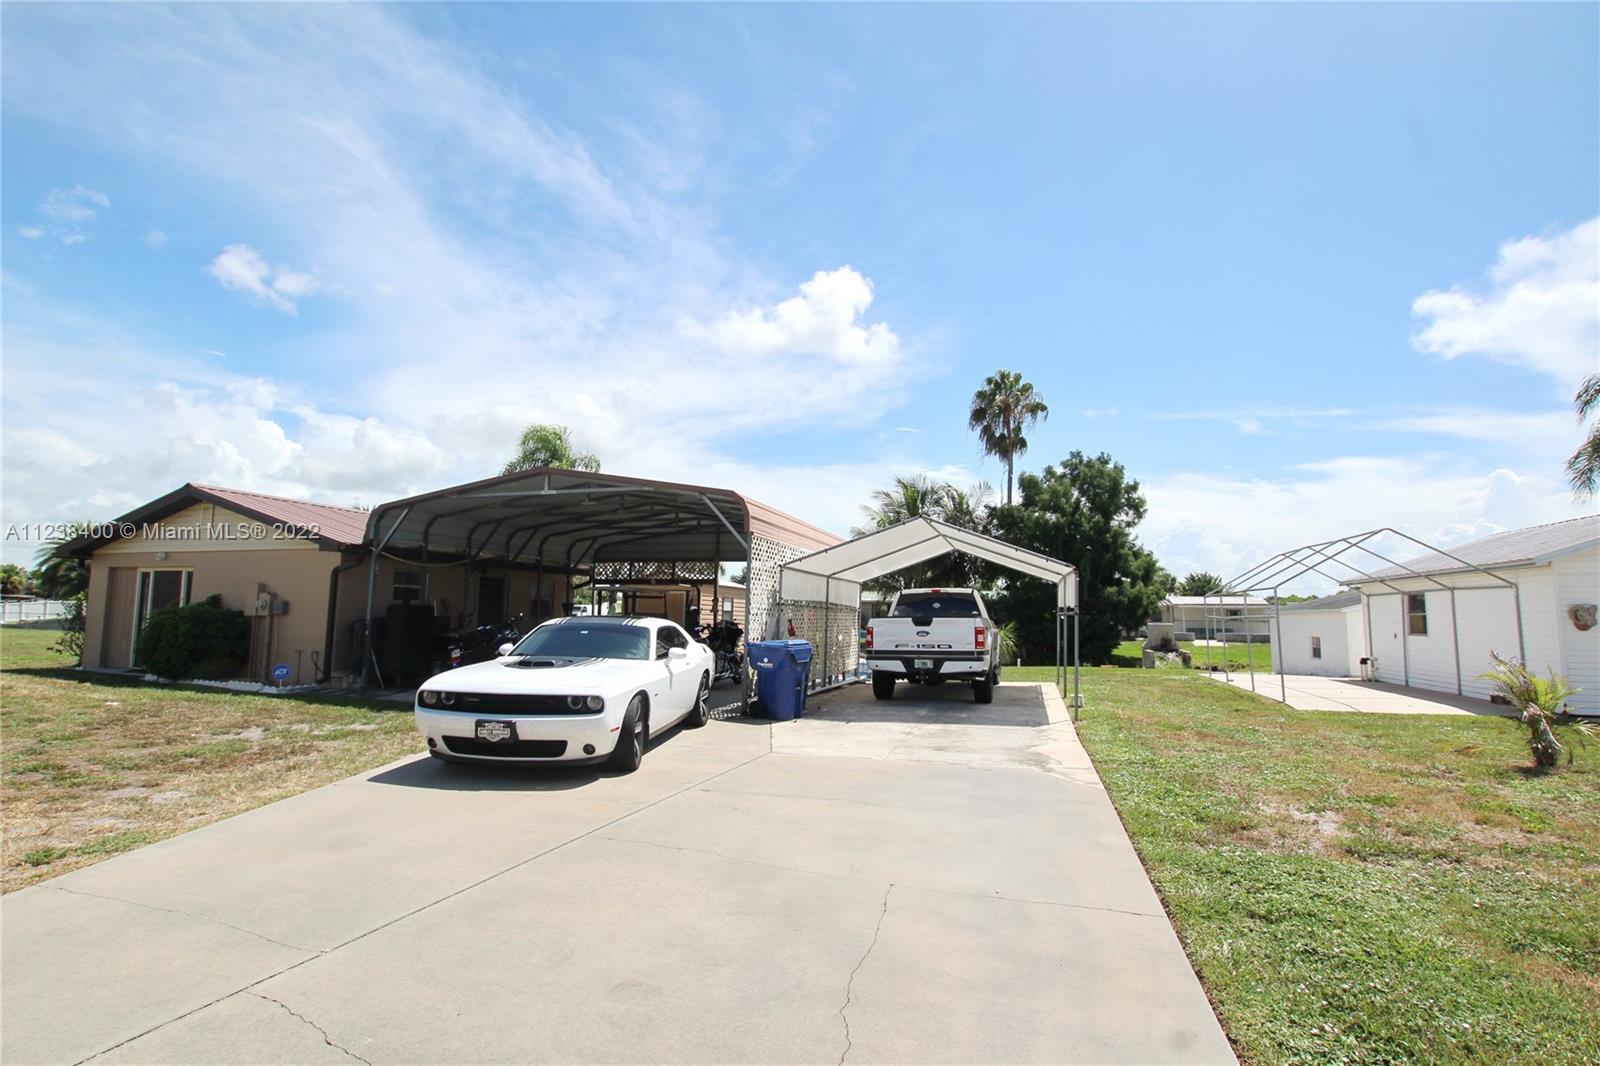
(869,637)
(980,637)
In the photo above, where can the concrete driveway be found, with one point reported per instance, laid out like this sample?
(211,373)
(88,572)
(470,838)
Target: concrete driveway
(1305,692)
(918,880)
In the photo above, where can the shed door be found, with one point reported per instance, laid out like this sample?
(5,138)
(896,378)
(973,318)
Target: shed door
(116,628)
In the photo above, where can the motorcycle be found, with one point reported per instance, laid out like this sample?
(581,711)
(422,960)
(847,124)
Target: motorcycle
(480,644)
(725,641)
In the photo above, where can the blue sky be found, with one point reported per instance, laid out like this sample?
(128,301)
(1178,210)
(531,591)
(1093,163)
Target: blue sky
(1304,270)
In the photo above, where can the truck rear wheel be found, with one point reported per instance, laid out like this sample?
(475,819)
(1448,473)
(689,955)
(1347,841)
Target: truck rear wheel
(882,685)
(983,689)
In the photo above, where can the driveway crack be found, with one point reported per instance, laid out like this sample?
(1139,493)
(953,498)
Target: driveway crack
(325,1038)
(186,914)
(850,984)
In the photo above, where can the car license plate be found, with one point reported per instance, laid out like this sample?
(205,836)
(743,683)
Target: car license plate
(922,664)
(492,730)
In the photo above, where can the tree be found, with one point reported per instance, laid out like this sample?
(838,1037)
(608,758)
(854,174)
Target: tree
(1200,583)
(920,496)
(14,580)
(1583,469)
(544,445)
(1002,409)
(1082,511)
(58,577)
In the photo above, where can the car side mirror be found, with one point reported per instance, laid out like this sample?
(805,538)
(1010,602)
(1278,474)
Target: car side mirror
(505,649)
(677,653)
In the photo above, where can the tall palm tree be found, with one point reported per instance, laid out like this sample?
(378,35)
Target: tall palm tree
(910,497)
(549,445)
(1001,410)
(1583,469)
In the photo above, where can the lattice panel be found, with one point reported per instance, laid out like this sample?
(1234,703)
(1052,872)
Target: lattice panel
(623,572)
(842,626)
(767,557)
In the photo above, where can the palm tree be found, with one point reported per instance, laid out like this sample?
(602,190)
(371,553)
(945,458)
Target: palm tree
(544,445)
(1001,410)
(920,496)
(1583,469)
(58,577)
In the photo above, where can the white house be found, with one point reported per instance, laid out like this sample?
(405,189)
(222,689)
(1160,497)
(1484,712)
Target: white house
(1324,636)
(1527,593)
(1216,617)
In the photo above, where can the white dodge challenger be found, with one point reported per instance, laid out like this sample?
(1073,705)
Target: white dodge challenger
(575,690)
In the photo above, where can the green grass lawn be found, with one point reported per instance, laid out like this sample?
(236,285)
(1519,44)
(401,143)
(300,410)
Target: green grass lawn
(92,765)
(1355,887)
(1238,656)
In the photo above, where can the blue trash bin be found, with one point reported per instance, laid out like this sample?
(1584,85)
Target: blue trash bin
(781,668)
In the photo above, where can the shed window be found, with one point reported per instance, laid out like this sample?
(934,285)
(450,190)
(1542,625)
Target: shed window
(408,586)
(1417,614)
(1316,647)
(727,606)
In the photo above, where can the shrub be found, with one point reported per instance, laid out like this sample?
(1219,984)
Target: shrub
(202,640)
(71,640)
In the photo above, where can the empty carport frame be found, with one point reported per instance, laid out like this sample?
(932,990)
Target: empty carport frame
(819,586)
(1332,560)
(613,529)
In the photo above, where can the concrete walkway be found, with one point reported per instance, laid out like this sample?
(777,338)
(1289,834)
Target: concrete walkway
(918,880)
(1306,692)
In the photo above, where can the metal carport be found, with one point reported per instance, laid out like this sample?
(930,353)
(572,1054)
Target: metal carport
(821,583)
(620,530)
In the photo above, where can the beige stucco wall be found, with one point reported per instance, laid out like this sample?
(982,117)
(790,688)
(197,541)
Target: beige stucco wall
(230,556)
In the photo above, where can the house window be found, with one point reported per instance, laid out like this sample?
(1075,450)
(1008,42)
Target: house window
(1316,647)
(408,586)
(1417,614)
(727,606)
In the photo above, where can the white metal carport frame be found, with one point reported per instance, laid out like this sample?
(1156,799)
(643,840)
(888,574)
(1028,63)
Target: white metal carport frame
(1335,561)
(834,576)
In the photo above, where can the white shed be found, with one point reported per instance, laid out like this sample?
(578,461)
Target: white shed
(1322,636)
(1526,593)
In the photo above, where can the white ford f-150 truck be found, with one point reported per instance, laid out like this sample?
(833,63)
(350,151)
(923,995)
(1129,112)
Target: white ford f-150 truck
(931,636)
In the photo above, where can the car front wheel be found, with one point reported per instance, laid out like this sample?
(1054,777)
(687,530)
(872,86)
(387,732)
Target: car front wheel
(629,752)
(698,713)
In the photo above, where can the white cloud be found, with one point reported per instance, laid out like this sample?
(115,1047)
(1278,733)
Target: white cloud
(1541,309)
(243,269)
(1226,523)
(76,204)
(155,238)
(31,233)
(1100,412)
(823,321)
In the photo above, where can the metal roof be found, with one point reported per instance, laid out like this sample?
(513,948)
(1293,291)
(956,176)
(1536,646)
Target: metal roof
(1338,601)
(835,572)
(570,517)
(340,527)
(1515,547)
(1214,600)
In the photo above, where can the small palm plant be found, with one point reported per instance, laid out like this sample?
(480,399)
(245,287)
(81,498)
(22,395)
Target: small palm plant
(1005,639)
(1541,703)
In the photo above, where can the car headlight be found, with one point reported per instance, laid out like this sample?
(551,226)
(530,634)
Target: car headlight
(575,702)
(447,698)
(429,696)
(595,703)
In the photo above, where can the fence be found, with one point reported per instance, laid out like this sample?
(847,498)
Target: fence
(15,609)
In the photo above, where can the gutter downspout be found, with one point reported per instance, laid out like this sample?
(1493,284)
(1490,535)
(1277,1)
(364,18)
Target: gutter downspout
(333,613)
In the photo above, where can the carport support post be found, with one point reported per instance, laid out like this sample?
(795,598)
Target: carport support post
(827,612)
(1077,696)
(367,655)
